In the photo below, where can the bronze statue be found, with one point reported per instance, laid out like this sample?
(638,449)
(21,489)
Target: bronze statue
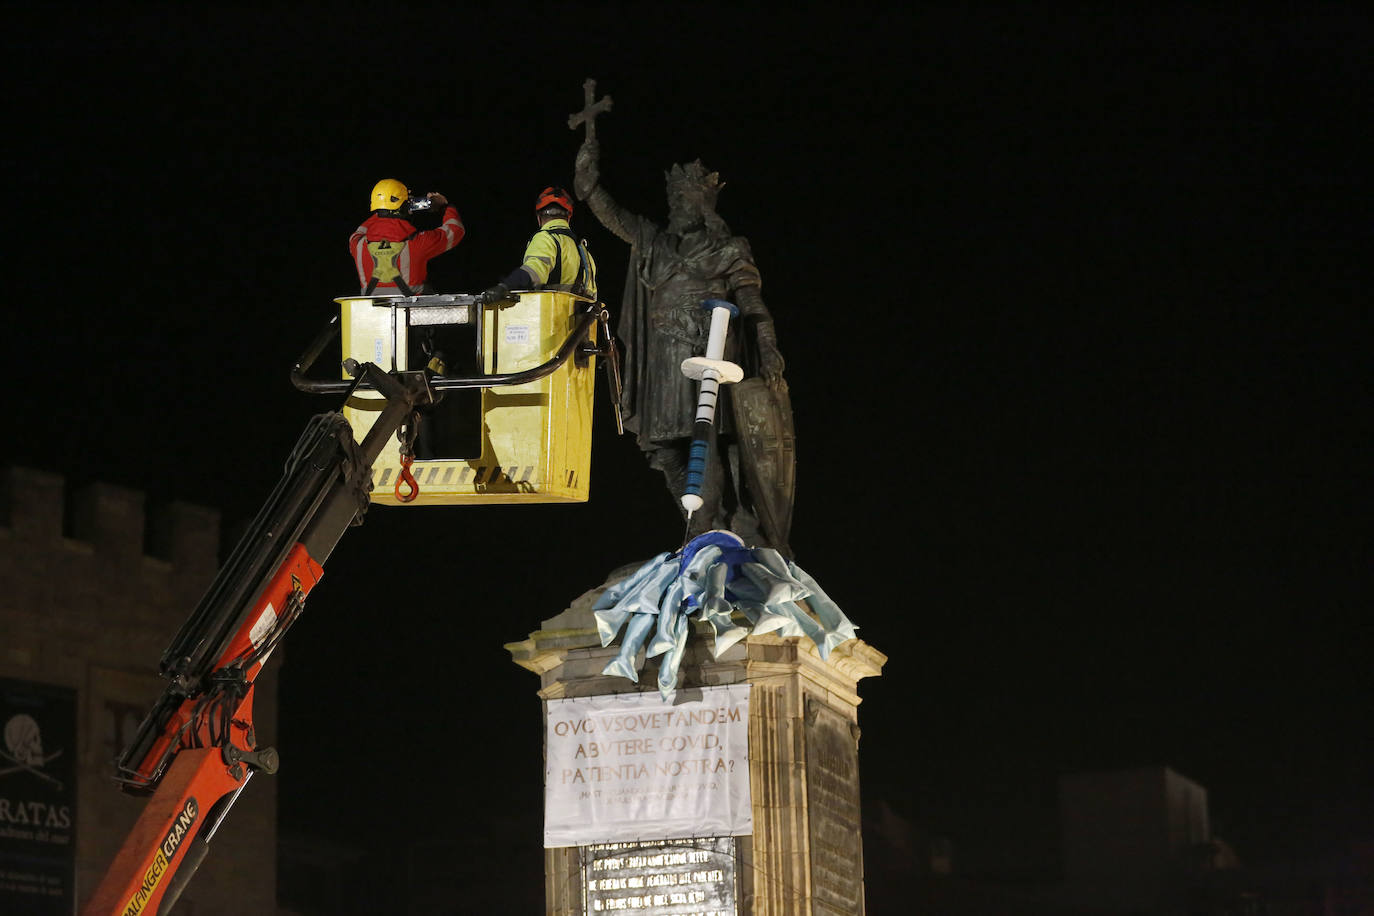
(673,268)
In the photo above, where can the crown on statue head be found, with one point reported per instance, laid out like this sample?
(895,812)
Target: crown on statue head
(693,179)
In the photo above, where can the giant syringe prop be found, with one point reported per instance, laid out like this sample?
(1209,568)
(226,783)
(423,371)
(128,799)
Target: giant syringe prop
(712,370)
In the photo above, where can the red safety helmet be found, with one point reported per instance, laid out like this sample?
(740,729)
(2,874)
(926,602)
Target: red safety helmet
(553,196)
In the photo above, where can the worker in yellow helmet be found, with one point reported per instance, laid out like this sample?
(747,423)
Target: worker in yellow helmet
(390,254)
(554,258)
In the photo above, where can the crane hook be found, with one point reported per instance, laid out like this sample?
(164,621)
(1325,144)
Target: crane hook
(405,477)
(406,434)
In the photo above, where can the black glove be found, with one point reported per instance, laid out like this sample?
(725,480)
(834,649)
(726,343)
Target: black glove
(498,293)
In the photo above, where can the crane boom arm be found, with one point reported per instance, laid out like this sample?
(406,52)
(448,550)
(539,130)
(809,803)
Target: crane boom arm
(197,748)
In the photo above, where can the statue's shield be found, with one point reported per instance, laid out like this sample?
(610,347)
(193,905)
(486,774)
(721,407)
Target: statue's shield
(763,421)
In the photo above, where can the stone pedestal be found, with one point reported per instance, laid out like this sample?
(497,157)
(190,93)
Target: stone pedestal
(806,854)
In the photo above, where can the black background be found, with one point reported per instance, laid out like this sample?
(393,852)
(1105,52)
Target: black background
(1074,305)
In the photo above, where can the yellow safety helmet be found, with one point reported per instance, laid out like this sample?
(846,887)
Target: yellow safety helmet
(388,194)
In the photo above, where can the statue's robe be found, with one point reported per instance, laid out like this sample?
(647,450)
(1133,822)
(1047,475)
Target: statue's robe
(662,322)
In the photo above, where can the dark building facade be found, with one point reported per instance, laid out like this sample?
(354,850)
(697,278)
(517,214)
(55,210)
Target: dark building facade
(92,589)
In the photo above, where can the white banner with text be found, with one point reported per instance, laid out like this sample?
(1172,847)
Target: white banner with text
(629,766)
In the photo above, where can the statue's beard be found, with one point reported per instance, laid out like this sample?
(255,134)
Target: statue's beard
(685,222)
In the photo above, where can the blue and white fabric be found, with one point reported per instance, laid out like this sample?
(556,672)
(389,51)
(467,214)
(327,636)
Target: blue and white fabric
(711,578)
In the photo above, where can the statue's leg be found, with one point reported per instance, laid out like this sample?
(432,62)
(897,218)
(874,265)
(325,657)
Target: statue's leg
(671,459)
(737,505)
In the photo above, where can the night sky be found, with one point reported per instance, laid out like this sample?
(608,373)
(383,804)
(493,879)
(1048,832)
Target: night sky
(1075,309)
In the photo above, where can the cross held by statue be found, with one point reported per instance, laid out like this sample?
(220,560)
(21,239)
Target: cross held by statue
(592,108)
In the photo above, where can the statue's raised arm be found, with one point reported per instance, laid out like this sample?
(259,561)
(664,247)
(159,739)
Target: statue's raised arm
(627,226)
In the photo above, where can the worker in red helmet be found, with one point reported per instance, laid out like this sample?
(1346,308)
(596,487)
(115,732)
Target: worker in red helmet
(555,258)
(390,254)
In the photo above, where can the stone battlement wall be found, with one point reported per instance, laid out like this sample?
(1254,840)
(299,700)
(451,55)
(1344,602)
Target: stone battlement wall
(109,520)
(89,577)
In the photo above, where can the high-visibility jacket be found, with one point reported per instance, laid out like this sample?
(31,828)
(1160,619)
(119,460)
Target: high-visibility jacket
(555,259)
(391,251)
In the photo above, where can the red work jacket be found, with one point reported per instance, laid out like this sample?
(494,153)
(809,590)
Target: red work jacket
(413,262)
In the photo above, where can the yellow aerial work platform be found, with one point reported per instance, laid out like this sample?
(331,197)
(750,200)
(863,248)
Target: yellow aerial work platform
(511,420)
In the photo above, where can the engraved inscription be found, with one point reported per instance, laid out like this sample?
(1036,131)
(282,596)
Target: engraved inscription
(687,877)
(833,813)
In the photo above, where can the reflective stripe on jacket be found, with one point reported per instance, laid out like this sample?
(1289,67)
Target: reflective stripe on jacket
(413,262)
(548,248)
